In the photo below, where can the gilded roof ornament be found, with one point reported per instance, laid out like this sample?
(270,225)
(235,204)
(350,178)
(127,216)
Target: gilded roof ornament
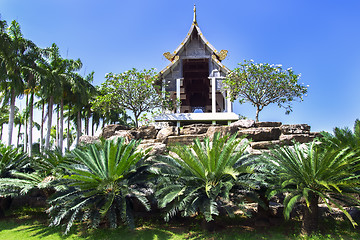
(169,56)
(222,55)
(194,20)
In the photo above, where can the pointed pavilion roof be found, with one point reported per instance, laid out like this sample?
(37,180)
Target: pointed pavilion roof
(217,56)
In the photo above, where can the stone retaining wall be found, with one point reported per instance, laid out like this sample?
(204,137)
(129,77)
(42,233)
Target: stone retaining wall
(262,134)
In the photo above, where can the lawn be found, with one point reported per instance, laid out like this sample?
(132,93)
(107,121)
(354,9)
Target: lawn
(32,224)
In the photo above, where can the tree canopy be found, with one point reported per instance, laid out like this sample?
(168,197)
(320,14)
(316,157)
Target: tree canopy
(132,90)
(262,84)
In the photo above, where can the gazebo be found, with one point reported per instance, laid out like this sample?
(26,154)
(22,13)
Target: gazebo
(194,81)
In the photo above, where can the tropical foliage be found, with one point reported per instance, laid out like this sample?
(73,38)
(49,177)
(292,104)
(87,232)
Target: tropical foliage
(101,185)
(198,179)
(310,173)
(343,137)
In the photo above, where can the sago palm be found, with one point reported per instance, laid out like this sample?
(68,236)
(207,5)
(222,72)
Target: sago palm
(198,179)
(310,173)
(101,185)
(343,137)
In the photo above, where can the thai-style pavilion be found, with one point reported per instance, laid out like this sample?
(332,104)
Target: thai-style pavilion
(194,76)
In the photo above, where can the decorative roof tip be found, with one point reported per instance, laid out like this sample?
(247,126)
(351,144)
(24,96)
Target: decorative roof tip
(194,20)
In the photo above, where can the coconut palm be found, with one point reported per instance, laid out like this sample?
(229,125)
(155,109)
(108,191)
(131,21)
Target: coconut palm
(309,173)
(101,185)
(198,179)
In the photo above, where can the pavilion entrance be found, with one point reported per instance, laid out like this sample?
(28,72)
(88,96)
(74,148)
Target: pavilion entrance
(195,90)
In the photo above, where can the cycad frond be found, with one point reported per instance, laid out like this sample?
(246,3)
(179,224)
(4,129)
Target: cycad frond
(192,178)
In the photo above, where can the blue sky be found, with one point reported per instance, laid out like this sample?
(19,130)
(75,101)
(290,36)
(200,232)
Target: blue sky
(319,39)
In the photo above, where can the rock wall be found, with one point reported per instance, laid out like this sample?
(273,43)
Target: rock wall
(262,134)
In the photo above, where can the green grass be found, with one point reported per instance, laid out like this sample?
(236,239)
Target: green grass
(30,224)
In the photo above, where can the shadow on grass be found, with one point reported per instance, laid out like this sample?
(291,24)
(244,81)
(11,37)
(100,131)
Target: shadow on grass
(80,232)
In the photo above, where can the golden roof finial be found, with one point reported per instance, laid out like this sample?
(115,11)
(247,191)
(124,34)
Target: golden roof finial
(194,20)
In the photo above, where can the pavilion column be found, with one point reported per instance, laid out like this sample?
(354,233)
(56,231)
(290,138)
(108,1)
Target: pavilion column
(178,82)
(228,102)
(163,94)
(213,94)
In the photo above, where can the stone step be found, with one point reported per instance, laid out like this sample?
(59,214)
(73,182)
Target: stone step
(264,144)
(184,139)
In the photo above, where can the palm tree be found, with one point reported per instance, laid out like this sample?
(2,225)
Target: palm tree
(32,75)
(20,118)
(101,185)
(4,118)
(67,87)
(13,59)
(310,173)
(4,113)
(198,179)
(40,104)
(53,71)
(82,91)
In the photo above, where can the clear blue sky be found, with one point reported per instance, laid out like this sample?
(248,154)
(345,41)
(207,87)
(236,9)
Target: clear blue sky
(319,39)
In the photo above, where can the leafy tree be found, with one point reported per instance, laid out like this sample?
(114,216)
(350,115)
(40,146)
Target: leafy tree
(310,173)
(132,90)
(101,184)
(263,84)
(198,179)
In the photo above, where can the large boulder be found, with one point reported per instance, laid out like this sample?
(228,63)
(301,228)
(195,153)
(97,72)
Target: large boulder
(123,134)
(295,129)
(164,133)
(264,144)
(268,124)
(192,129)
(184,139)
(261,134)
(301,138)
(110,130)
(156,148)
(244,123)
(144,132)
(223,130)
(85,139)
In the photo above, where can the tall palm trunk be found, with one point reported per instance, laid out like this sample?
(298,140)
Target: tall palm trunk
(78,127)
(57,144)
(31,110)
(87,119)
(11,116)
(18,136)
(50,110)
(26,126)
(68,129)
(92,126)
(61,131)
(42,126)
(310,222)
